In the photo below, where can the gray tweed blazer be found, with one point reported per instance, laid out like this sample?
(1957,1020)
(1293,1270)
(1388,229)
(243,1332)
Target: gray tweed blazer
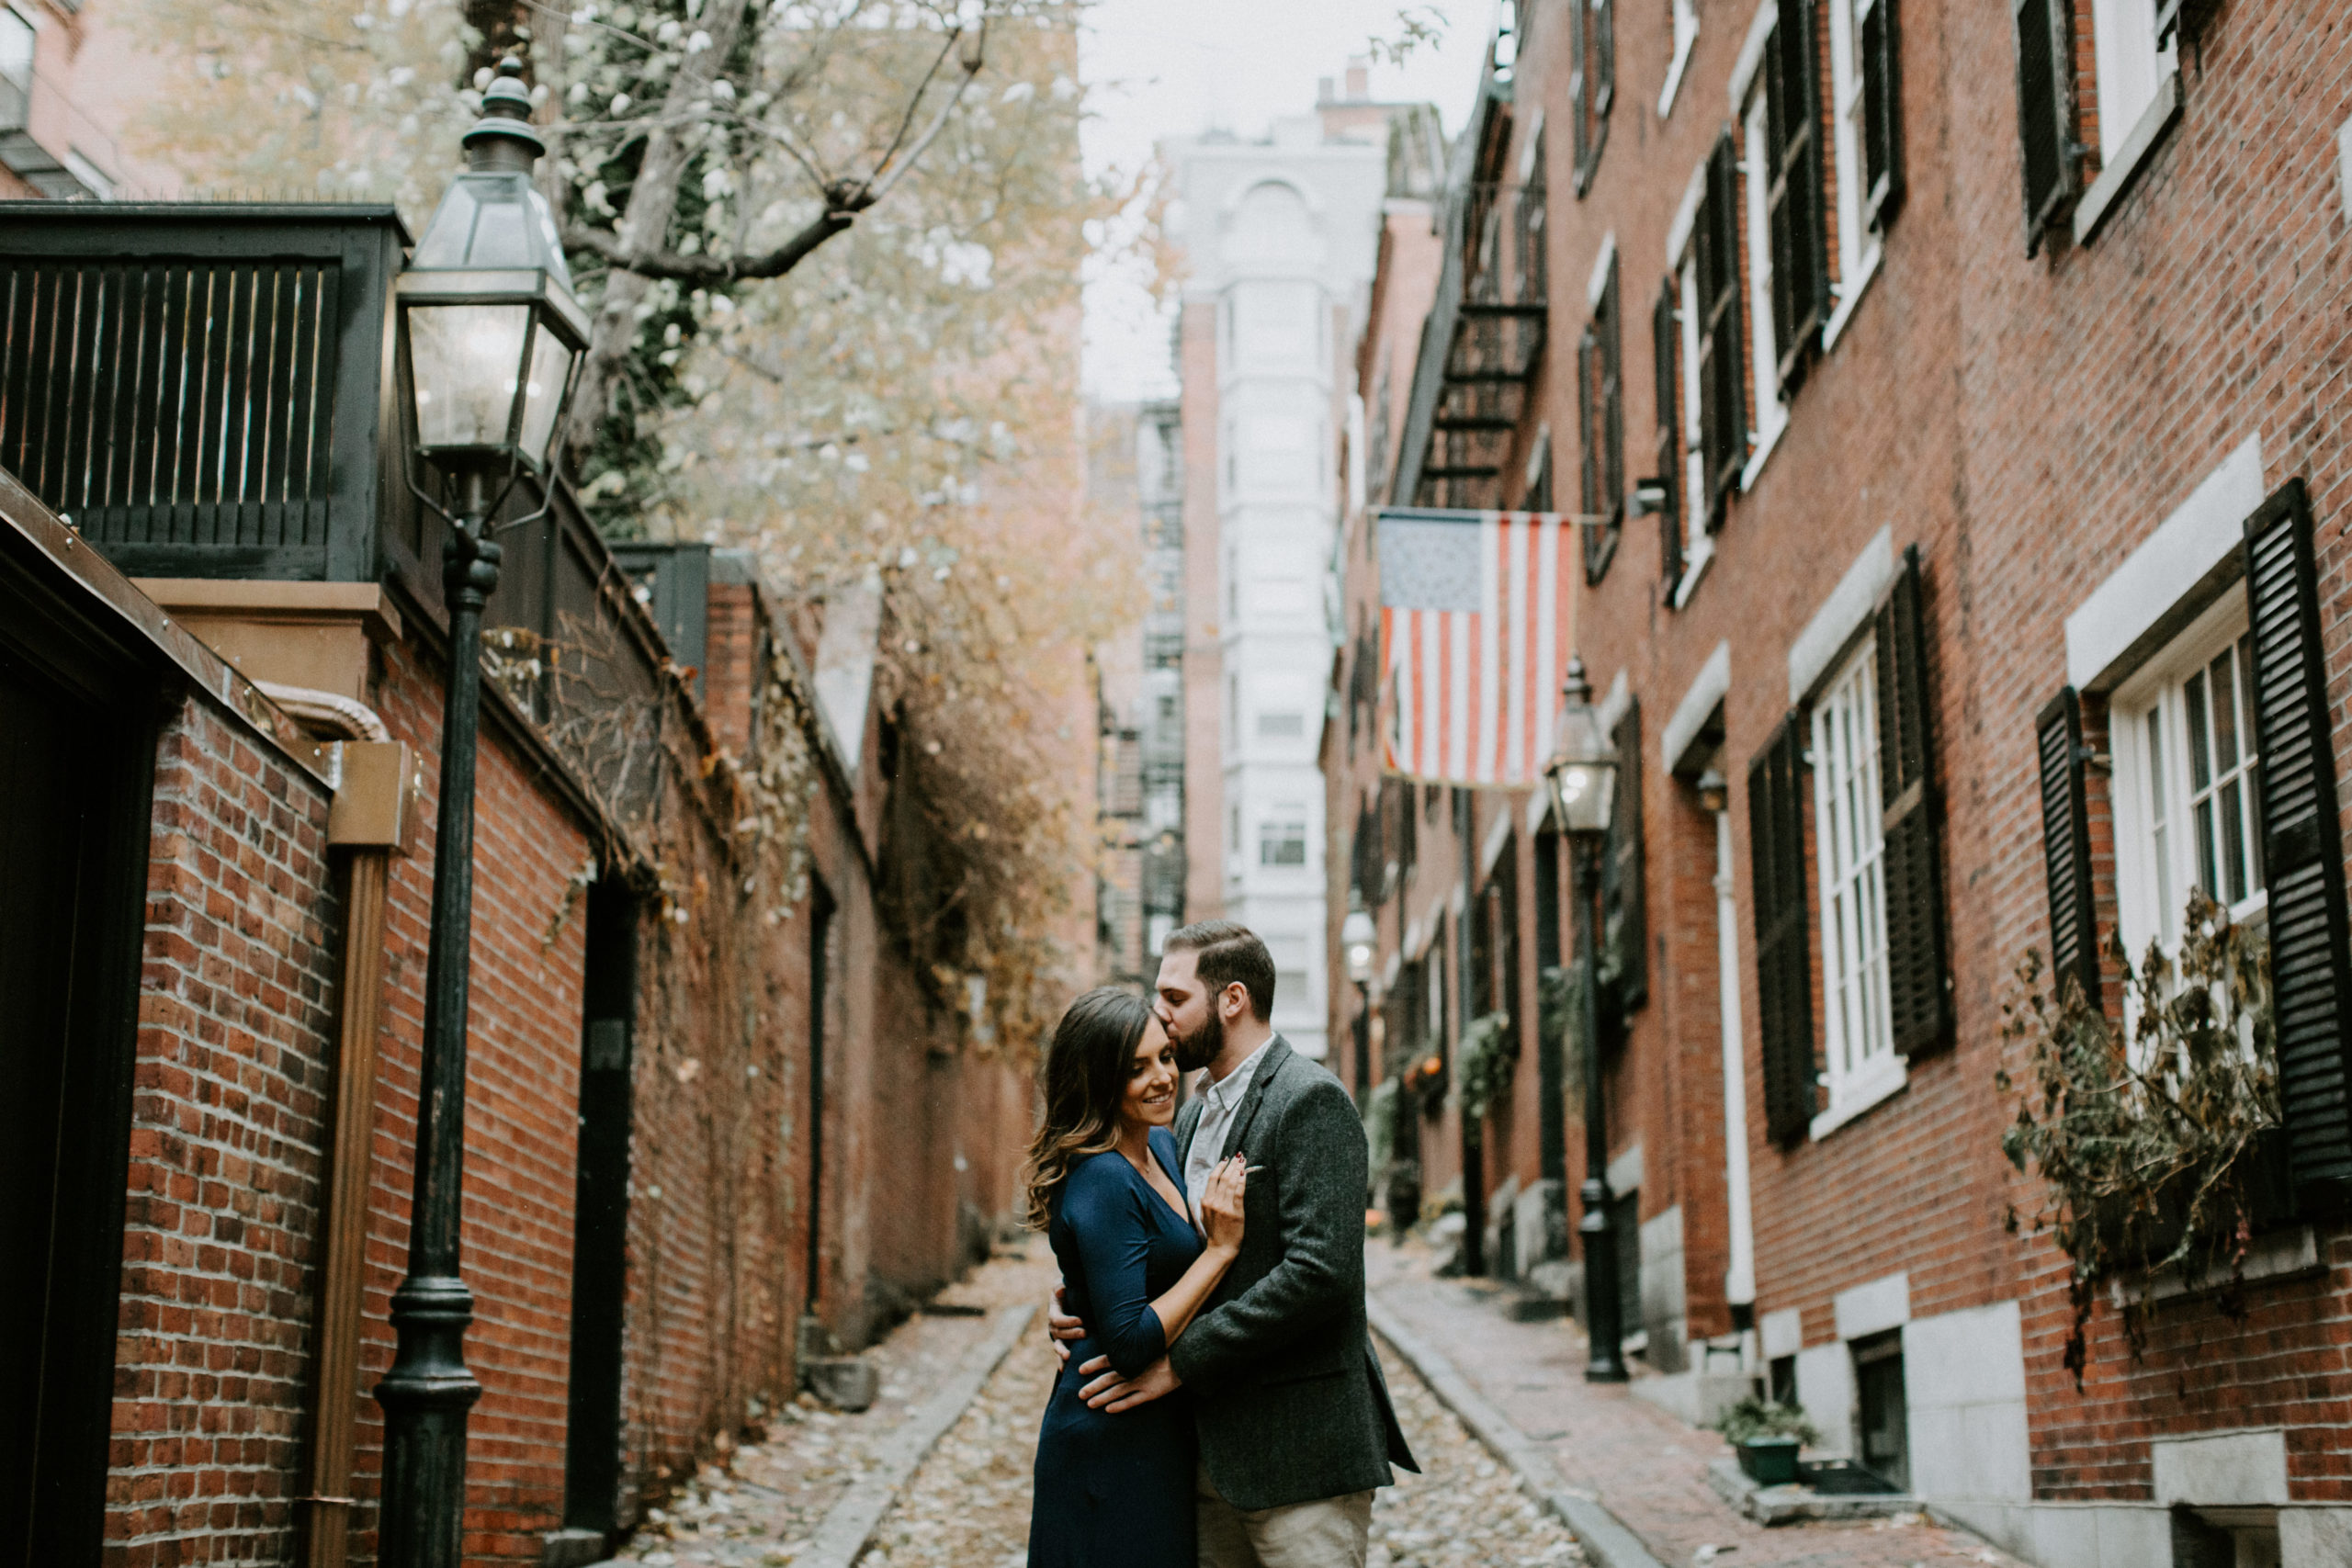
(1289,1395)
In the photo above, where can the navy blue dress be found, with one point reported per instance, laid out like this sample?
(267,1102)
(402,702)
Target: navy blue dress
(1116,1491)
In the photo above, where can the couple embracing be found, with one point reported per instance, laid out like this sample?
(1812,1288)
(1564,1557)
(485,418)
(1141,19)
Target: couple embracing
(1219,1401)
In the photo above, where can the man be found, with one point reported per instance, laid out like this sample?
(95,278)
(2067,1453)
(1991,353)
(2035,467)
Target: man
(1295,1426)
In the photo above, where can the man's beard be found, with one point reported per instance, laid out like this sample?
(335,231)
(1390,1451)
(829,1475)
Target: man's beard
(1200,1048)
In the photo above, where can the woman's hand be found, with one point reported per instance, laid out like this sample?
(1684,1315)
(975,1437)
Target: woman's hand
(1221,1206)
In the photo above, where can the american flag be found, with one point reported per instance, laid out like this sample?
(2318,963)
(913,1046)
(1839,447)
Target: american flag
(1472,641)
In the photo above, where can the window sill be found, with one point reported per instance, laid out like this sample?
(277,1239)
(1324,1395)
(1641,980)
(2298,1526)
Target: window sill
(1852,297)
(1879,1082)
(1695,566)
(2106,190)
(2280,1256)
(1766,441)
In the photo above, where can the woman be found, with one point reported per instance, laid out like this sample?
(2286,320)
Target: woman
(1116,1491)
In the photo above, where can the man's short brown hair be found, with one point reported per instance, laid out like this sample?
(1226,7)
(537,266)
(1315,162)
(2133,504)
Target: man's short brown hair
(1228,951)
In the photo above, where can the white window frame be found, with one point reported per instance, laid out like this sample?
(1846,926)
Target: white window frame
(1272,831)
(1862,1066)
(2153,874)
(1686,33)
(1770,416)
(1859,248)
(1698,544)
(20,27)
(2131,70)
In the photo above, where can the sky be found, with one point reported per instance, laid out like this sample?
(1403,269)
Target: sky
(1156,68)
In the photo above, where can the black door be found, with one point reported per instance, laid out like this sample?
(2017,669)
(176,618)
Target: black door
(600,1241)
(76,766)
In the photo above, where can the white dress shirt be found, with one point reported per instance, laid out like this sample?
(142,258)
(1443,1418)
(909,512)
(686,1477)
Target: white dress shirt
(1219,1100)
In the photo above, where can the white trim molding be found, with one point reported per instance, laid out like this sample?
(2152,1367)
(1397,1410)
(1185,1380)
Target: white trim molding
(2099,200)
(1598,284)
(1875,1308)
(1708,689)
(1751,55)
(1841,614)
(2173,569)
(1685,217)
(1491,851)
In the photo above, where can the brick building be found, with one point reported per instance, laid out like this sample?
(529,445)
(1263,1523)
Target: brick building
(720,1117)
(1950,395)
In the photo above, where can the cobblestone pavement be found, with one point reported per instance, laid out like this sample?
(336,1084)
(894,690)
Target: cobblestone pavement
(758,1507)
(1647,1467)
(969,1506)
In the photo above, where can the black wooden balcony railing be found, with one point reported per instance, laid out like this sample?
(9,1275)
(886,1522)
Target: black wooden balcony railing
(209,390)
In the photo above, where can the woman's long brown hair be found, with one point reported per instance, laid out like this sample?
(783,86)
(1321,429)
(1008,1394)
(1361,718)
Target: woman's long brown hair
(1086,1073)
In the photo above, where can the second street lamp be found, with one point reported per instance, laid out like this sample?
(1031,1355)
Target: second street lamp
(1583,777)
(490,338)
(1357,938)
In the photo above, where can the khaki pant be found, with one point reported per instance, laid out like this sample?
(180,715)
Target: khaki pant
(1328,1533)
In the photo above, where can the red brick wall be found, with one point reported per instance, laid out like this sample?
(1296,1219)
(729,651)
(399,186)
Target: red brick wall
(521,1099)
(2026,423)
(236,1033)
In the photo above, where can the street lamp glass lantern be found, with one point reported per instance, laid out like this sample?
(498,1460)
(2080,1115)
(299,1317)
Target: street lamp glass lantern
(1357,936)
(1583,769)
(492,335)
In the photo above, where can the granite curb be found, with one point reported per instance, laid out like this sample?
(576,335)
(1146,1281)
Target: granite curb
(1604,1537)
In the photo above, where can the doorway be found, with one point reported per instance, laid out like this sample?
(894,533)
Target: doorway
(76,784)
(593,1443)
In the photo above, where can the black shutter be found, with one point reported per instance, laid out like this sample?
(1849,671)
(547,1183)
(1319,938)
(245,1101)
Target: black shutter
(2067,844)
(1604,64)
(1588,450)
(1624,920)
(2045,110)
(1723,392)
(1907,775)
(1613,400)
(1881,74)
(1783,947)
(1800,236)
(2302,849)
(1579,97)
(1666,349)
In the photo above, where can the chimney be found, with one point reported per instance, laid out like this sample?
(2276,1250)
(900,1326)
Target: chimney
(1359,79)
(1322,90)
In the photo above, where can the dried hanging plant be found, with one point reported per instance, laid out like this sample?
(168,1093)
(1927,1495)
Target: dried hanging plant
(2155,1150)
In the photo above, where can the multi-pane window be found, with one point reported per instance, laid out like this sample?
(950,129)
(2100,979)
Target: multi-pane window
(1593,81)
(1601,406)
(1849,852)
(1281,838)
(1755,180)
(1862,89)
(2187,774)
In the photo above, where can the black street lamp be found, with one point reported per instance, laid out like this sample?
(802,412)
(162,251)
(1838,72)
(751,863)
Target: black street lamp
(490,338)
(1358,937)
(1583,775)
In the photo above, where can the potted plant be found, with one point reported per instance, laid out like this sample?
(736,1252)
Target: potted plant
(1766,1435)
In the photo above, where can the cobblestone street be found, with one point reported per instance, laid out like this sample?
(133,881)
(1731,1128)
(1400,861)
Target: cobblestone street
(967,1504)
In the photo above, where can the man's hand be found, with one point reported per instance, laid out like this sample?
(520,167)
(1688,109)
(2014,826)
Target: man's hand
(1111,1393)
(1060,1326)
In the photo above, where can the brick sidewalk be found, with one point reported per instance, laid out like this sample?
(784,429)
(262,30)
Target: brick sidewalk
(1646,1466)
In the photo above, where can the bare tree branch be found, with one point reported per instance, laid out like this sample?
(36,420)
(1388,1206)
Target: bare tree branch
(845,199)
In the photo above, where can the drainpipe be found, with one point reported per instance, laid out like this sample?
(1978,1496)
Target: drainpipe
(1740,1279)
(374,778)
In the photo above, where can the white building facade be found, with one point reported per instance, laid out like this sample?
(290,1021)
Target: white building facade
(1280,235)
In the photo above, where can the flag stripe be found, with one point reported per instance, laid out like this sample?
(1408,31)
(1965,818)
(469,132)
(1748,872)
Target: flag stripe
(1471,687)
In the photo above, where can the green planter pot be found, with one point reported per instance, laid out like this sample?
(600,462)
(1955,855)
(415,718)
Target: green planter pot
(1769,1461)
